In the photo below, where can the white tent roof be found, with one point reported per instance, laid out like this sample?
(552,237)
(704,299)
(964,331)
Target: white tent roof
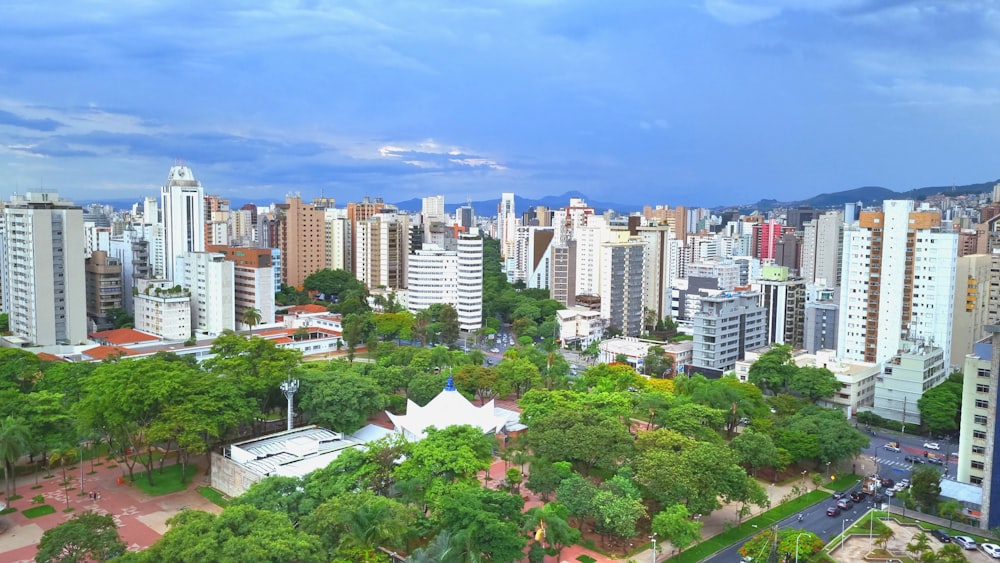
(449,408)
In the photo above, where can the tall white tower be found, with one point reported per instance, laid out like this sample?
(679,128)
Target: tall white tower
(507,224)
(183,203)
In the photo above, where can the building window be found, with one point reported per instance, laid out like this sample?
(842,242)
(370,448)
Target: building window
(978,450)
(978,465)
(980,419)
(982,388)
(979,434)
(981,404)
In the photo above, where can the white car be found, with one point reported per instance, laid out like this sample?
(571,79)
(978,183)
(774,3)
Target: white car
(932,445)
(495,350)
(991,549)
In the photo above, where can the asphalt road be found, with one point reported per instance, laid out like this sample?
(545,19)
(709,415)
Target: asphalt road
(814,519)
(893,465)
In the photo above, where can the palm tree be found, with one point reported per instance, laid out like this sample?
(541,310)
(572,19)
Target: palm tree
(950,553)
(919,544)
(884,536)
(15,435)
(251,317)
(371,525)
(63,456)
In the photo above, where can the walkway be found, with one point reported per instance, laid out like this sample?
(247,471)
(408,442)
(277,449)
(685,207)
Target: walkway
(141,519)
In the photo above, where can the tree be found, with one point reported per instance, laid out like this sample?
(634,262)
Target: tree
(257,365)
(552,520)
(759,546)
(939,407)
(919,545)
(584,436)
(576,493)
(425,386)
(15,435)
(120,318)
(925,486)
(340,400)
(950,509)
(251,317)
(334,285)
(449,324)
(814,383)
(240,533)
(884,535)
(754,450)
(950,553)
(453,454)
(352,525)
(485,520)
(356,329)
(87,536)
(674,525)
(773,370)
(657,363)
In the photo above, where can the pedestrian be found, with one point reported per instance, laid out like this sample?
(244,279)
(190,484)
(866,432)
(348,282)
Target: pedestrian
(91,495)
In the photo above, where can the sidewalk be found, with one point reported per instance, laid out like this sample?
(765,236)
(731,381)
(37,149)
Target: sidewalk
(141,519)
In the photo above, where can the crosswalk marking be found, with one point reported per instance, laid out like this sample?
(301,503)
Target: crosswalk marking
(904,466)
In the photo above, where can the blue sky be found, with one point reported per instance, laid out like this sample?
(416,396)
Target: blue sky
(662,102)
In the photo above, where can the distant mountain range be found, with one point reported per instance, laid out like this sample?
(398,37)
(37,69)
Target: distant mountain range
(869,195)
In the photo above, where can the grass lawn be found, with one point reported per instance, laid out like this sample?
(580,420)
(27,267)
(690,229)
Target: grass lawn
(36,511)
(586,559)
(843,482)
(748,528)
(215,496)
(166,481)
(8,510)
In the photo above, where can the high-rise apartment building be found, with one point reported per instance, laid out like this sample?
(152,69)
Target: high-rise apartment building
(766,236)
(658,274)
(973,279)
(563,274)
(470,280)
(453,277)
(978,455)
(338,240)
(301,232)
(726,326)
(382,249)
(182,201)
(621,285)
(506,224)
(784,299)
(104,288)
(358,212)
(163,308)
(822,244)
(41,269)
(253,275)
(212,282)
(898,282)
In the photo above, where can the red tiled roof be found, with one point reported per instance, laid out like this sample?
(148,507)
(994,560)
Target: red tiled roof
(310,308)
(46,357)
(105,352)
(122,336)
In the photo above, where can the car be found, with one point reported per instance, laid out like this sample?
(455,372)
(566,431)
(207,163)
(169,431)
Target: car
(858,496)
(932,446)
(845,503)
(833,511)
(941,535)
(888,483)
(936,460)
(891,447)
(495,350)
(878,498)
(913,459)
(965,541)
(991,549)
(838,495)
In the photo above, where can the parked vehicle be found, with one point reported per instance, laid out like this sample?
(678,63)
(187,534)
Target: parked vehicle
(833,511)
(991,549)
(941,535)
(965,541)
(932,446)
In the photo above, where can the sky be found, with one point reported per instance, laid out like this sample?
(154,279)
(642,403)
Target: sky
(675,102)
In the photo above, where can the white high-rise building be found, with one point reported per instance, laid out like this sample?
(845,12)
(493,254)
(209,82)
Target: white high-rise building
(42,269)
(212,282)
(382,249)
(454,277)
(506,224)
(589,238)
(183,203)
(338,239)
(898,282)
(822,243)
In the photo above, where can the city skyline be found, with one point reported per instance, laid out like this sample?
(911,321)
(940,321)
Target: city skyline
(683,103)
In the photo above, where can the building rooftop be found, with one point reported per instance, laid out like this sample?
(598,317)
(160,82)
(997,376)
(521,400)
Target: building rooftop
(292,453)
(122,336)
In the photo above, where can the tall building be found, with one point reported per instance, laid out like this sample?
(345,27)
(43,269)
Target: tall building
(898,282)
(453,277)
(465,216)
(621,285)
(359,212)
(784,298)
(302,240)
(382,249)
(766,236)
(978,454)
(658,272)
(104,288)
(821,312)
(41,268)
(338,240)
(971,303)
(563,274)
(182,200)
(532,257)
(725,328)
(506,224)
(253,281)
(163,308)
(822,244)
(211,280)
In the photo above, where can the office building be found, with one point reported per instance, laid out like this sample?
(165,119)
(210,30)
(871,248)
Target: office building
(784,298)
(42,267)
(727,325)
(453,277)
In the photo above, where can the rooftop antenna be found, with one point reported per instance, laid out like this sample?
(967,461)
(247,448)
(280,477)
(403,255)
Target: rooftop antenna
(289,387)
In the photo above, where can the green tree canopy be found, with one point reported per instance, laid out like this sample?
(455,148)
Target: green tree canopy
(87,536)
(342,399)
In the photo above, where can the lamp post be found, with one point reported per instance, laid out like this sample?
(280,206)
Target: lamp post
(653,537)
(843,531)
(828,470)
(797,545)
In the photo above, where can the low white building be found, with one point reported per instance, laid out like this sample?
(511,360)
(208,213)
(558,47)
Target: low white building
(905,378)
(163,309)
(580,325)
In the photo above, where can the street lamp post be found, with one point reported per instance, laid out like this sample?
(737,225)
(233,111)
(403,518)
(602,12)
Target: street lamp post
(843,531)
(828,470)
(653,537)
(797,545)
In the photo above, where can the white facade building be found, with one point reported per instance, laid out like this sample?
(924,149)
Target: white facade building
(506,224)
(42,269)
(163,308)
(898,276)
(453,277)
(183,203)
(211,280)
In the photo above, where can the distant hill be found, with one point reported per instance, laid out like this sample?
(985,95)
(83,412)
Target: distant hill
(869,195)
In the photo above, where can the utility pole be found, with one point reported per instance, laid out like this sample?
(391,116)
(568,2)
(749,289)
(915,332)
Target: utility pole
(289,387)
